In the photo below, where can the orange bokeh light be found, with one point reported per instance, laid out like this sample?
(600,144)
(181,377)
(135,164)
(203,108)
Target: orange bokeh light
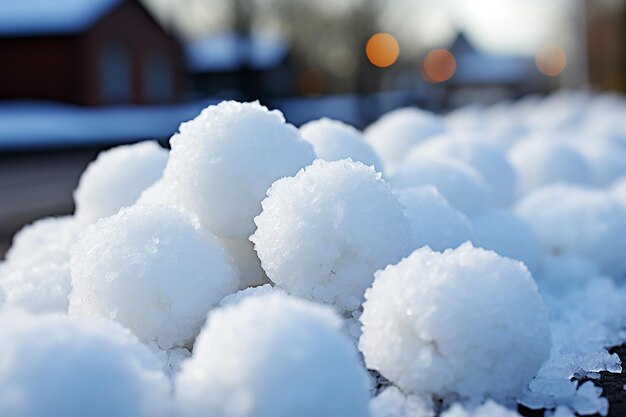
(439,65)
(382,50)
(551,60)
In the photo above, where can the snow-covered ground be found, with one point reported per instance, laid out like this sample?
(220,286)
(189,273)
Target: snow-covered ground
(261,270)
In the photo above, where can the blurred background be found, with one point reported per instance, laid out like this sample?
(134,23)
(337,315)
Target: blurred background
(80,76)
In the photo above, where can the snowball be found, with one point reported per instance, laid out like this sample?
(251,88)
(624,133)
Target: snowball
(36,274)
(508,235)
(152,270)
(606,159)
(464,322)
(62,366)
(396,132)
(116,179)
(223,161)
(618,190)
(458,182)
(488,409)
(488,160)
(393,403)
(244,257)
(323,233)
(541,161)
(248,292)
(579,221)
(334,140)
(434,222)
(273,356)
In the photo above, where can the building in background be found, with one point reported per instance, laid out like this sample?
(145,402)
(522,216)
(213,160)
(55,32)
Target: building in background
(240,65)
(87,52)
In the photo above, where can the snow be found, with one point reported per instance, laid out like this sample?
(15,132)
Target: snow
(50,17)
(427,329)
(273,355)
(223,161)
(569,219)
(55,365)
(458,182)
(493,230)
(152,270)
(323,233)
(333,140)
(36,275)
(485,157)
(434,222)
(446,325)
(117,178)
(228,51)
(489,409)
(396,132)
(543,161)
(393,403)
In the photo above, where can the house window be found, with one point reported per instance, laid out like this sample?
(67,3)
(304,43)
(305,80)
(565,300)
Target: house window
(157,77)
(115,73)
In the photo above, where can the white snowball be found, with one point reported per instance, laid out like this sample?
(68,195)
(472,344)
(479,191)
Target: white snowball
(606,159)
(273,356)
(396,132)
(434,222)
(237,297)
(62,366)
(152,270)
(223,161)
(334,140)
(488,409)
(573,220)
(244,257)
(323,233)
(464,322)
(116,179)
(458,182)
(36,274)
(618,190)
(508,235)
(393,403)
(542,161)
(484,157)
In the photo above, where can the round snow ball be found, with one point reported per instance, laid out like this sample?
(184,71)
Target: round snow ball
(63,366)
(541,161)
(153,271)
(323,233)
(434,222)
(334,140)
(393,403)
(507,234)
(273,355)
(396,132)
(223,161)
(458,182)
(484,157)
(116,179)
(574,220)
(464,322)
(36,274)
(488,409)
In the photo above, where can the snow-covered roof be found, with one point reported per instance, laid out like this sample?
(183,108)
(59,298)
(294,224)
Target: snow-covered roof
(50,17)
(229,51)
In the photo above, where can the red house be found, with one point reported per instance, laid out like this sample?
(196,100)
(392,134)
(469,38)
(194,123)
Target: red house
(87,52)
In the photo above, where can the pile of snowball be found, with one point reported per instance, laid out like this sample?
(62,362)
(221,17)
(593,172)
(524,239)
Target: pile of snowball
(456,265)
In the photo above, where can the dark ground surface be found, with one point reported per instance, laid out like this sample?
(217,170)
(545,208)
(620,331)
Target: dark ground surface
(612,388)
